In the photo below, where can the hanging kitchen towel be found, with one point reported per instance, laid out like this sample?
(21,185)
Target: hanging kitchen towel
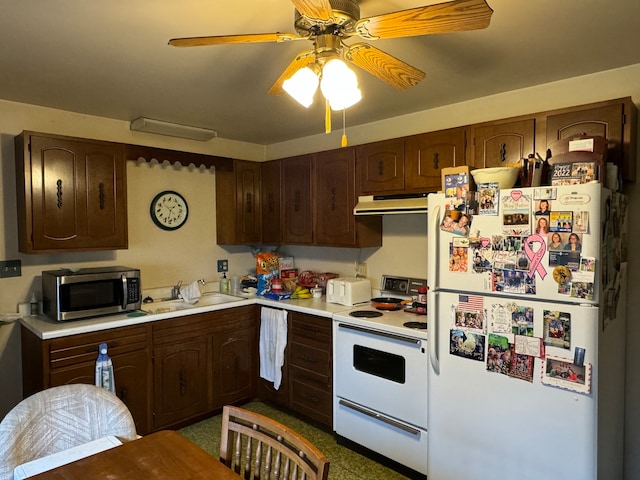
(191,293)
(273,341)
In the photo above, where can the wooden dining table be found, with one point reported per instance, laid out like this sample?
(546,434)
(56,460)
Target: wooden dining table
(161,455)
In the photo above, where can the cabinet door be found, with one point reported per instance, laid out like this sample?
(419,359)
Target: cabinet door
(78,191)
(380,167)
(608,121)
(131,381)
(105,196)
(500,144)
(249,213)
(180,381)
(271,208)
(335,197)
(235,364)
(428,154)
(298,220)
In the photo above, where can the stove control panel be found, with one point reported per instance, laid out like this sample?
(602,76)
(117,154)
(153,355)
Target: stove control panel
(402,285)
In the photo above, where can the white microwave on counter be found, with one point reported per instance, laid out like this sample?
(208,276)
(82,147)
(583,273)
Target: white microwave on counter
(90,292)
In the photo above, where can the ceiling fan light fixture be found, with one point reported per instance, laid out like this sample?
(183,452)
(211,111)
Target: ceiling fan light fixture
(302,86)
(339,85)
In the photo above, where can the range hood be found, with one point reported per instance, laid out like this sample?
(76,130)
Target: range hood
(391,204)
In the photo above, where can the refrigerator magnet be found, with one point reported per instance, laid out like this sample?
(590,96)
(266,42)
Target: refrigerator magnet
(562,373)
(578,356)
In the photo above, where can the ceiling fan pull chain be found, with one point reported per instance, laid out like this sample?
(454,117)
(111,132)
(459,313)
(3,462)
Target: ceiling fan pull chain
(344,128)
(327,117)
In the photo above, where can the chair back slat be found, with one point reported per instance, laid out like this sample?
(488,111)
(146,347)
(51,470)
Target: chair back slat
(271,450)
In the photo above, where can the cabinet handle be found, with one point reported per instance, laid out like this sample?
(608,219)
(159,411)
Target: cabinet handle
(308,359)
(123,394)
(249,202)
(381,168)
(101,195)
(182,378)
(311,398)
(297,200)
(270,202)
(503,152)
(436,160)
(333,198)
(59,192)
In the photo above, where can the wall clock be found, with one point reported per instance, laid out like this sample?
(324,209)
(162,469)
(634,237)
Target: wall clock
(169,210)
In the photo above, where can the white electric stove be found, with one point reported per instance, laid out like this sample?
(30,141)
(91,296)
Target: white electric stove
(380,372)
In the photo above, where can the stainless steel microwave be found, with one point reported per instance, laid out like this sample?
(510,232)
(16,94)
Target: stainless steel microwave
(90,292)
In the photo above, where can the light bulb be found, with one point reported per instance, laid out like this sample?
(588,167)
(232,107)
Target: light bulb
(339,85)
(302,86)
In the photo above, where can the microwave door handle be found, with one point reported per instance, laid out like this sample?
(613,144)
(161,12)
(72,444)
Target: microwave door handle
(433,251)
(125,289)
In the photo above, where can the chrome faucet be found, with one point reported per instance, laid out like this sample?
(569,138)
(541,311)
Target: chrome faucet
(175,291)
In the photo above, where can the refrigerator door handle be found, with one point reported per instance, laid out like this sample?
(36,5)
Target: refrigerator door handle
(432,270)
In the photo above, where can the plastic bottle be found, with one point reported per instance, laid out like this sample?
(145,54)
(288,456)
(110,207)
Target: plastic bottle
(224,284)
(104,370)
(33,304)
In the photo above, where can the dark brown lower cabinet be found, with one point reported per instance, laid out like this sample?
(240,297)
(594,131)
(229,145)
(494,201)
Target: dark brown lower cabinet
(72,359)
(169,372)
(202,362)
(307,379)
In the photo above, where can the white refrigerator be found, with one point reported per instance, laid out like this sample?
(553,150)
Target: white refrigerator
(526,334)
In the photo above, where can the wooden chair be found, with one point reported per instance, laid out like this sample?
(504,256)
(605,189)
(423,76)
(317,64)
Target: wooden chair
(258,447)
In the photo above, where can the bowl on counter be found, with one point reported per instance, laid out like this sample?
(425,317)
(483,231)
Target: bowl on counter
(505,176)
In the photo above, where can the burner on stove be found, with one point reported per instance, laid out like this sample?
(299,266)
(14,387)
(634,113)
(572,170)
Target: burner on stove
(419,325)
(365,314)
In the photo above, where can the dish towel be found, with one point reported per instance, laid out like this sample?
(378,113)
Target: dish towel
(273,341)
(191,293)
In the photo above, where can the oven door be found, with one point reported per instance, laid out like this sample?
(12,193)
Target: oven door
(383,371)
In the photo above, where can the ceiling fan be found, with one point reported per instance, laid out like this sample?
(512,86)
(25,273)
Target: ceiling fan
(328,23)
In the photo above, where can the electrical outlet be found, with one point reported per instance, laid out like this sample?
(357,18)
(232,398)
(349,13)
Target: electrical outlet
(361,269)
(223,265)
(10,268)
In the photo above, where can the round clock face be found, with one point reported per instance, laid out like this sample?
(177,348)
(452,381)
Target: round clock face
(169,210)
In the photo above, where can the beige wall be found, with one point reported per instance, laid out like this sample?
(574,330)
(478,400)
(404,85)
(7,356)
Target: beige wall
(191,252)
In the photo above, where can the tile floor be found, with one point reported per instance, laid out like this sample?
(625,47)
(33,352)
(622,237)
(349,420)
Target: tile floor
(345,463)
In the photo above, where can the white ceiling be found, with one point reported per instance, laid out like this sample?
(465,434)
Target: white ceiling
(111,59)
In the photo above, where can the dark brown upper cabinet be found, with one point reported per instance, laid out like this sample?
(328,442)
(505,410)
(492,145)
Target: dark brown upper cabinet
(71,194)
(501,143)
(428,153)
(238,204)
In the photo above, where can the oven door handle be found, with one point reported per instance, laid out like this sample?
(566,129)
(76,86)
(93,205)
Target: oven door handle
(433,250)
(393,336)
(380,417)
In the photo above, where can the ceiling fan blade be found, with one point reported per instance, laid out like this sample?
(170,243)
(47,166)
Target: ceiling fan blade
(315,9)
(384,66)
(454,16)
(302,60)
(228,39)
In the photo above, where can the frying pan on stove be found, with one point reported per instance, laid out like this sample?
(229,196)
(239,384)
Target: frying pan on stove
(388,303)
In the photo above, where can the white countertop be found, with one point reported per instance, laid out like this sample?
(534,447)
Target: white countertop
(46,328)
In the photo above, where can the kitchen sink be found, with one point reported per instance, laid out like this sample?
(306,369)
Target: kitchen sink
(206,300)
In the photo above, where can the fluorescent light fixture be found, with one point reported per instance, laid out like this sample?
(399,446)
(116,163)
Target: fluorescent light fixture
(172,129)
